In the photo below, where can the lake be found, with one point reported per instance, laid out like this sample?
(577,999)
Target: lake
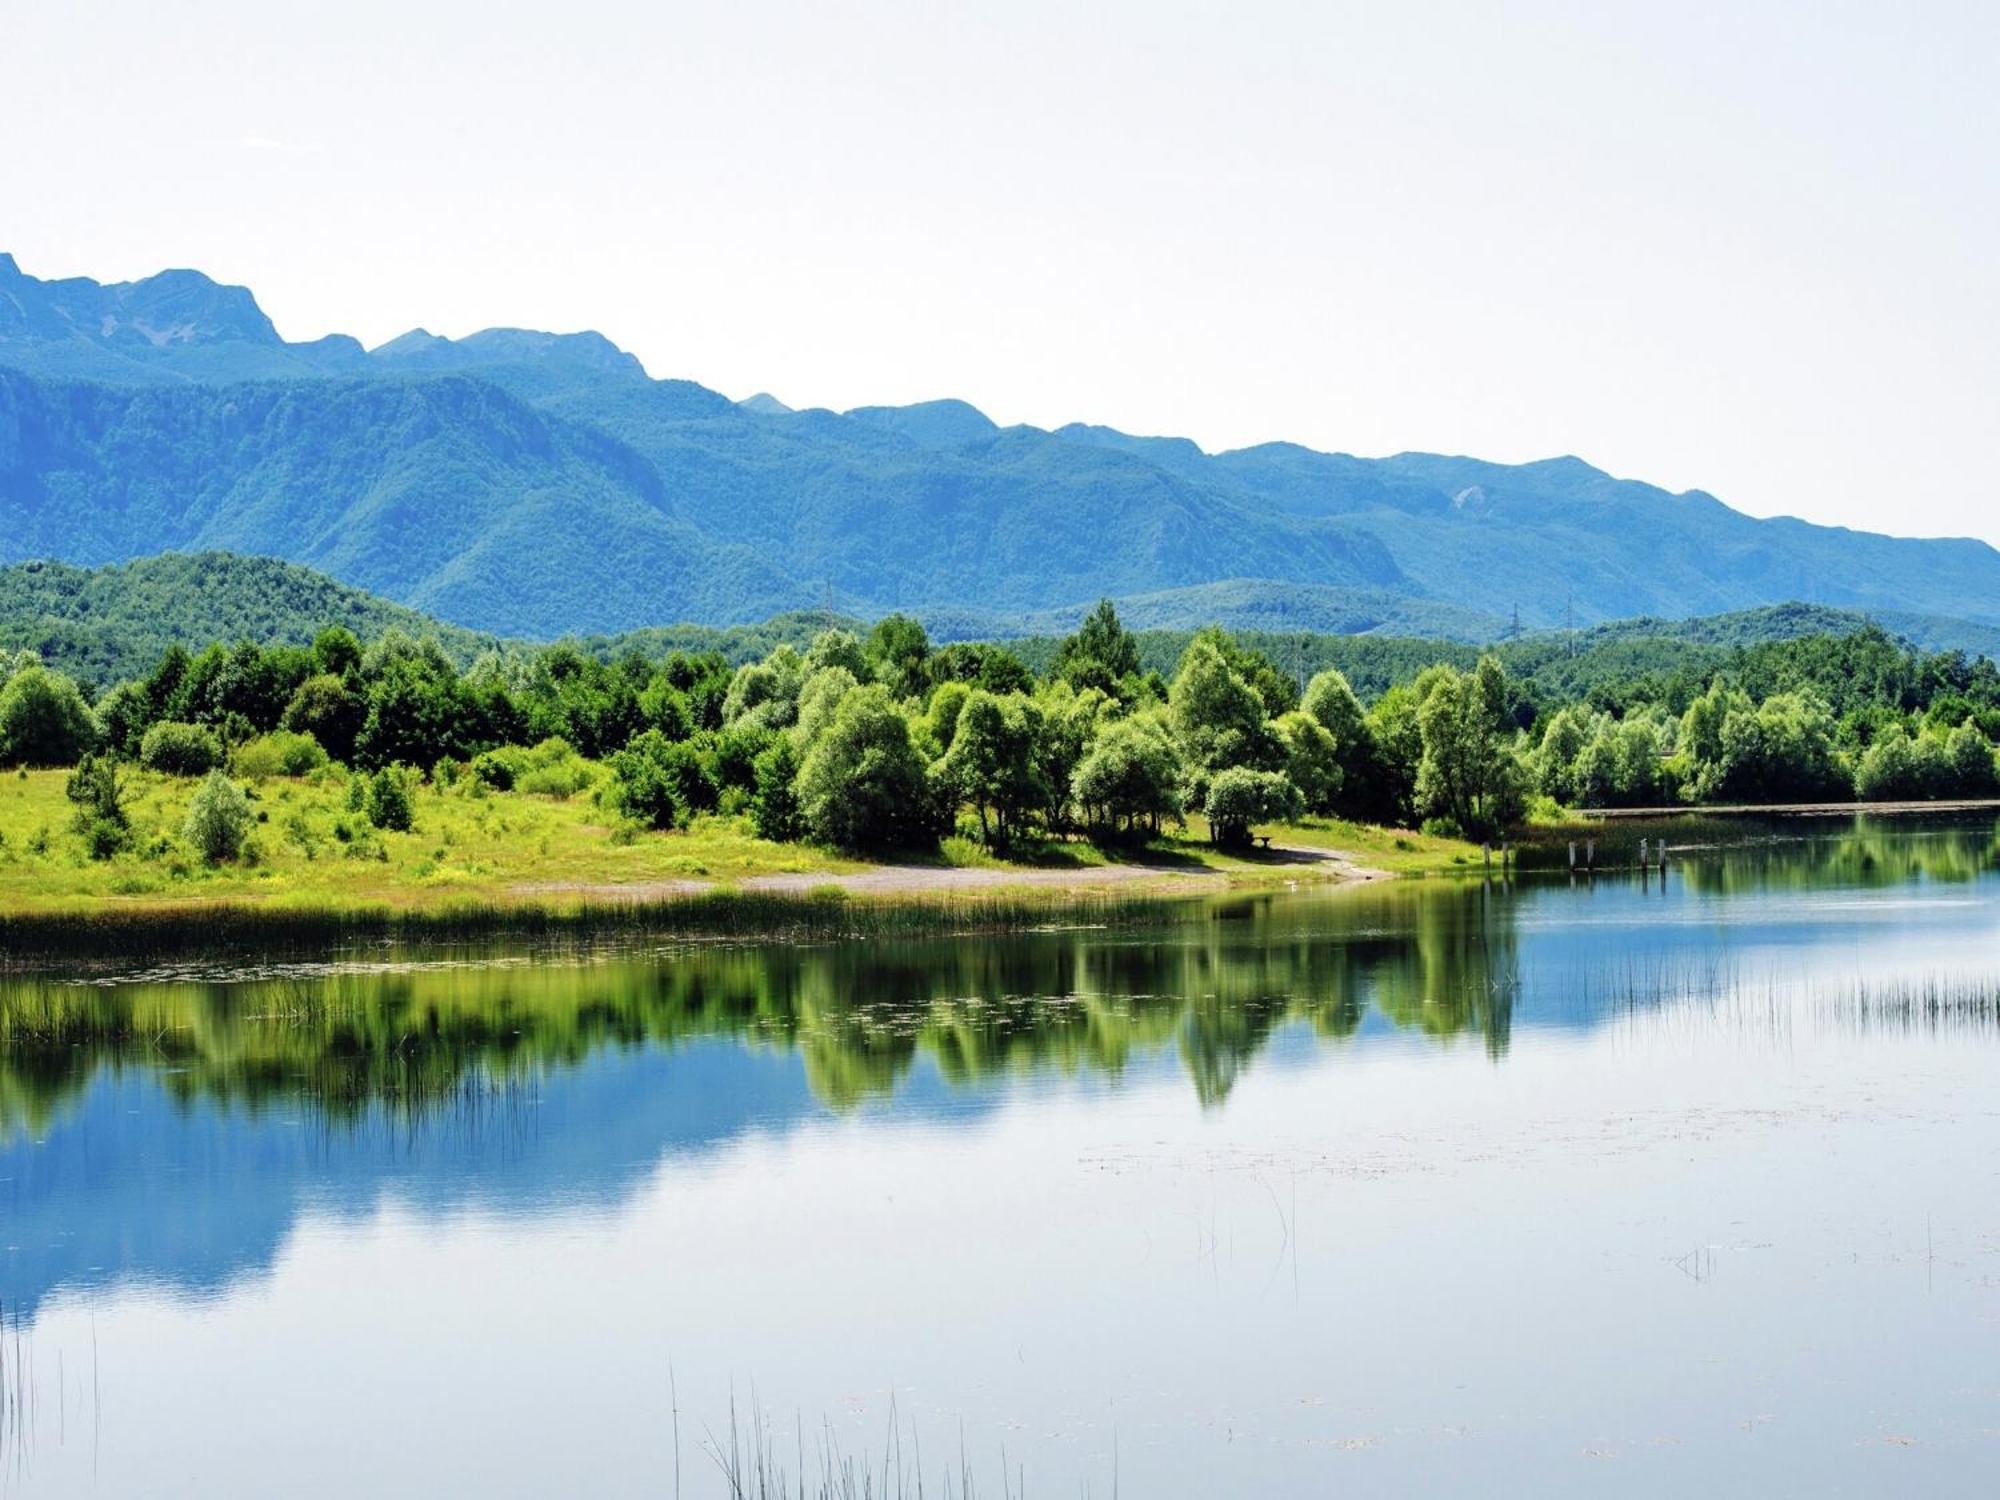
(1655,1185)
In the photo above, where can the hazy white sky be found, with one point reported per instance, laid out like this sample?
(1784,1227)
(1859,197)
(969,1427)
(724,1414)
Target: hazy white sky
(1752,248)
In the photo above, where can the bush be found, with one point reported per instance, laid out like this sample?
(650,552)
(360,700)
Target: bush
(326,708)
(551,769)
(103,838)
(100,806)
(218,819)
(661,782)
(279,753)
(388,800)
(494,770)
(176,749)
(43,720)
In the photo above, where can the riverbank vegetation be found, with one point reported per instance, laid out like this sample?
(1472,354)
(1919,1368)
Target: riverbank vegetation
(340,775)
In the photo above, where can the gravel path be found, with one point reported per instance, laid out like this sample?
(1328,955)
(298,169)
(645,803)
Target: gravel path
(1316,864)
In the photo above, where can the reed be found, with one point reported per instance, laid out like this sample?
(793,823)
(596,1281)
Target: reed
(754,1466)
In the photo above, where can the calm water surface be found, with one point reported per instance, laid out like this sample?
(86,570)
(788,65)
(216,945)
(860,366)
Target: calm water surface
(1649,1188)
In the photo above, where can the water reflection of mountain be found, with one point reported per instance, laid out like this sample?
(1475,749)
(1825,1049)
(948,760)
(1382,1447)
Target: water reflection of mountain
(177,1131)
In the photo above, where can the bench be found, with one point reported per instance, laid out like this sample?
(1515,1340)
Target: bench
(1264,839)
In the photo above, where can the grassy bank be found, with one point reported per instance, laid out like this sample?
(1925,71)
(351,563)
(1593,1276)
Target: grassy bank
(478,861)
(309,848)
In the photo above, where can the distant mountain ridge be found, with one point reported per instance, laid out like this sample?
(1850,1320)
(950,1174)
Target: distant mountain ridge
(535,484)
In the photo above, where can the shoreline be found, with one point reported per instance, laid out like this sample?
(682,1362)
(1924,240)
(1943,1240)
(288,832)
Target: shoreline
(887,901)
(1785,809)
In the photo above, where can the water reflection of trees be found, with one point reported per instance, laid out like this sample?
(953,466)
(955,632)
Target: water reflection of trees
(860,1016)
(1814,854)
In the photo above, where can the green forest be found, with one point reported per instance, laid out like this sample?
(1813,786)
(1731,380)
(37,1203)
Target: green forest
(887,742)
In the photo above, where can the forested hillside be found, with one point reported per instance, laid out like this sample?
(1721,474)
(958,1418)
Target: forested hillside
(103,625)
(533,484)
(110,624)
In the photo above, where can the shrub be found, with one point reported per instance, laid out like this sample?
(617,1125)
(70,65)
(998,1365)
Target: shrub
(494,770)
(218,819)
(326,708)
(388,800)
(279,753)
(661,782)
(176,749)
(100,806)
(43,720)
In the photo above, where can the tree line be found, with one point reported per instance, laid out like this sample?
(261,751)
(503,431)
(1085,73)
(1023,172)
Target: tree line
(885,740)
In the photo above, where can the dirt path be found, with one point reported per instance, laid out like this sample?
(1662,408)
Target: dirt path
(883,880)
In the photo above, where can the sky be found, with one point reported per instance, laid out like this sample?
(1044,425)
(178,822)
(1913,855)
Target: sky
(1747,248)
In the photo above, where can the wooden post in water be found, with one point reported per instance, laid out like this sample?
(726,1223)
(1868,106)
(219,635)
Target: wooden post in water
(1590,854)
(1572,855)
(1642,856)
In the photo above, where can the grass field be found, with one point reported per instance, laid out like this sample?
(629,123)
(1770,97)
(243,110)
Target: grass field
(311,849)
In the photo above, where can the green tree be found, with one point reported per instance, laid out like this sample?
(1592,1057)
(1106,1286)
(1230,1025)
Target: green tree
(838,648)
(1780,750)
(1218,718)
(766,693)
(1468,775)
(1970,757)
(1897,768)
(819,697)
(863,785)
(336,652)
(1102,653)
(329,710)
(1278,691)
(1070,720)
(941,718)
(774,806)
(123,714)
(1619,766)
(43,720)
(662,782)
(1564,735)
(1312,761)
(900,650)
(992,763)
(1239,797)
(1130,780)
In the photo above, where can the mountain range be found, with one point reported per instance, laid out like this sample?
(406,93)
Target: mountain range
(533,484)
